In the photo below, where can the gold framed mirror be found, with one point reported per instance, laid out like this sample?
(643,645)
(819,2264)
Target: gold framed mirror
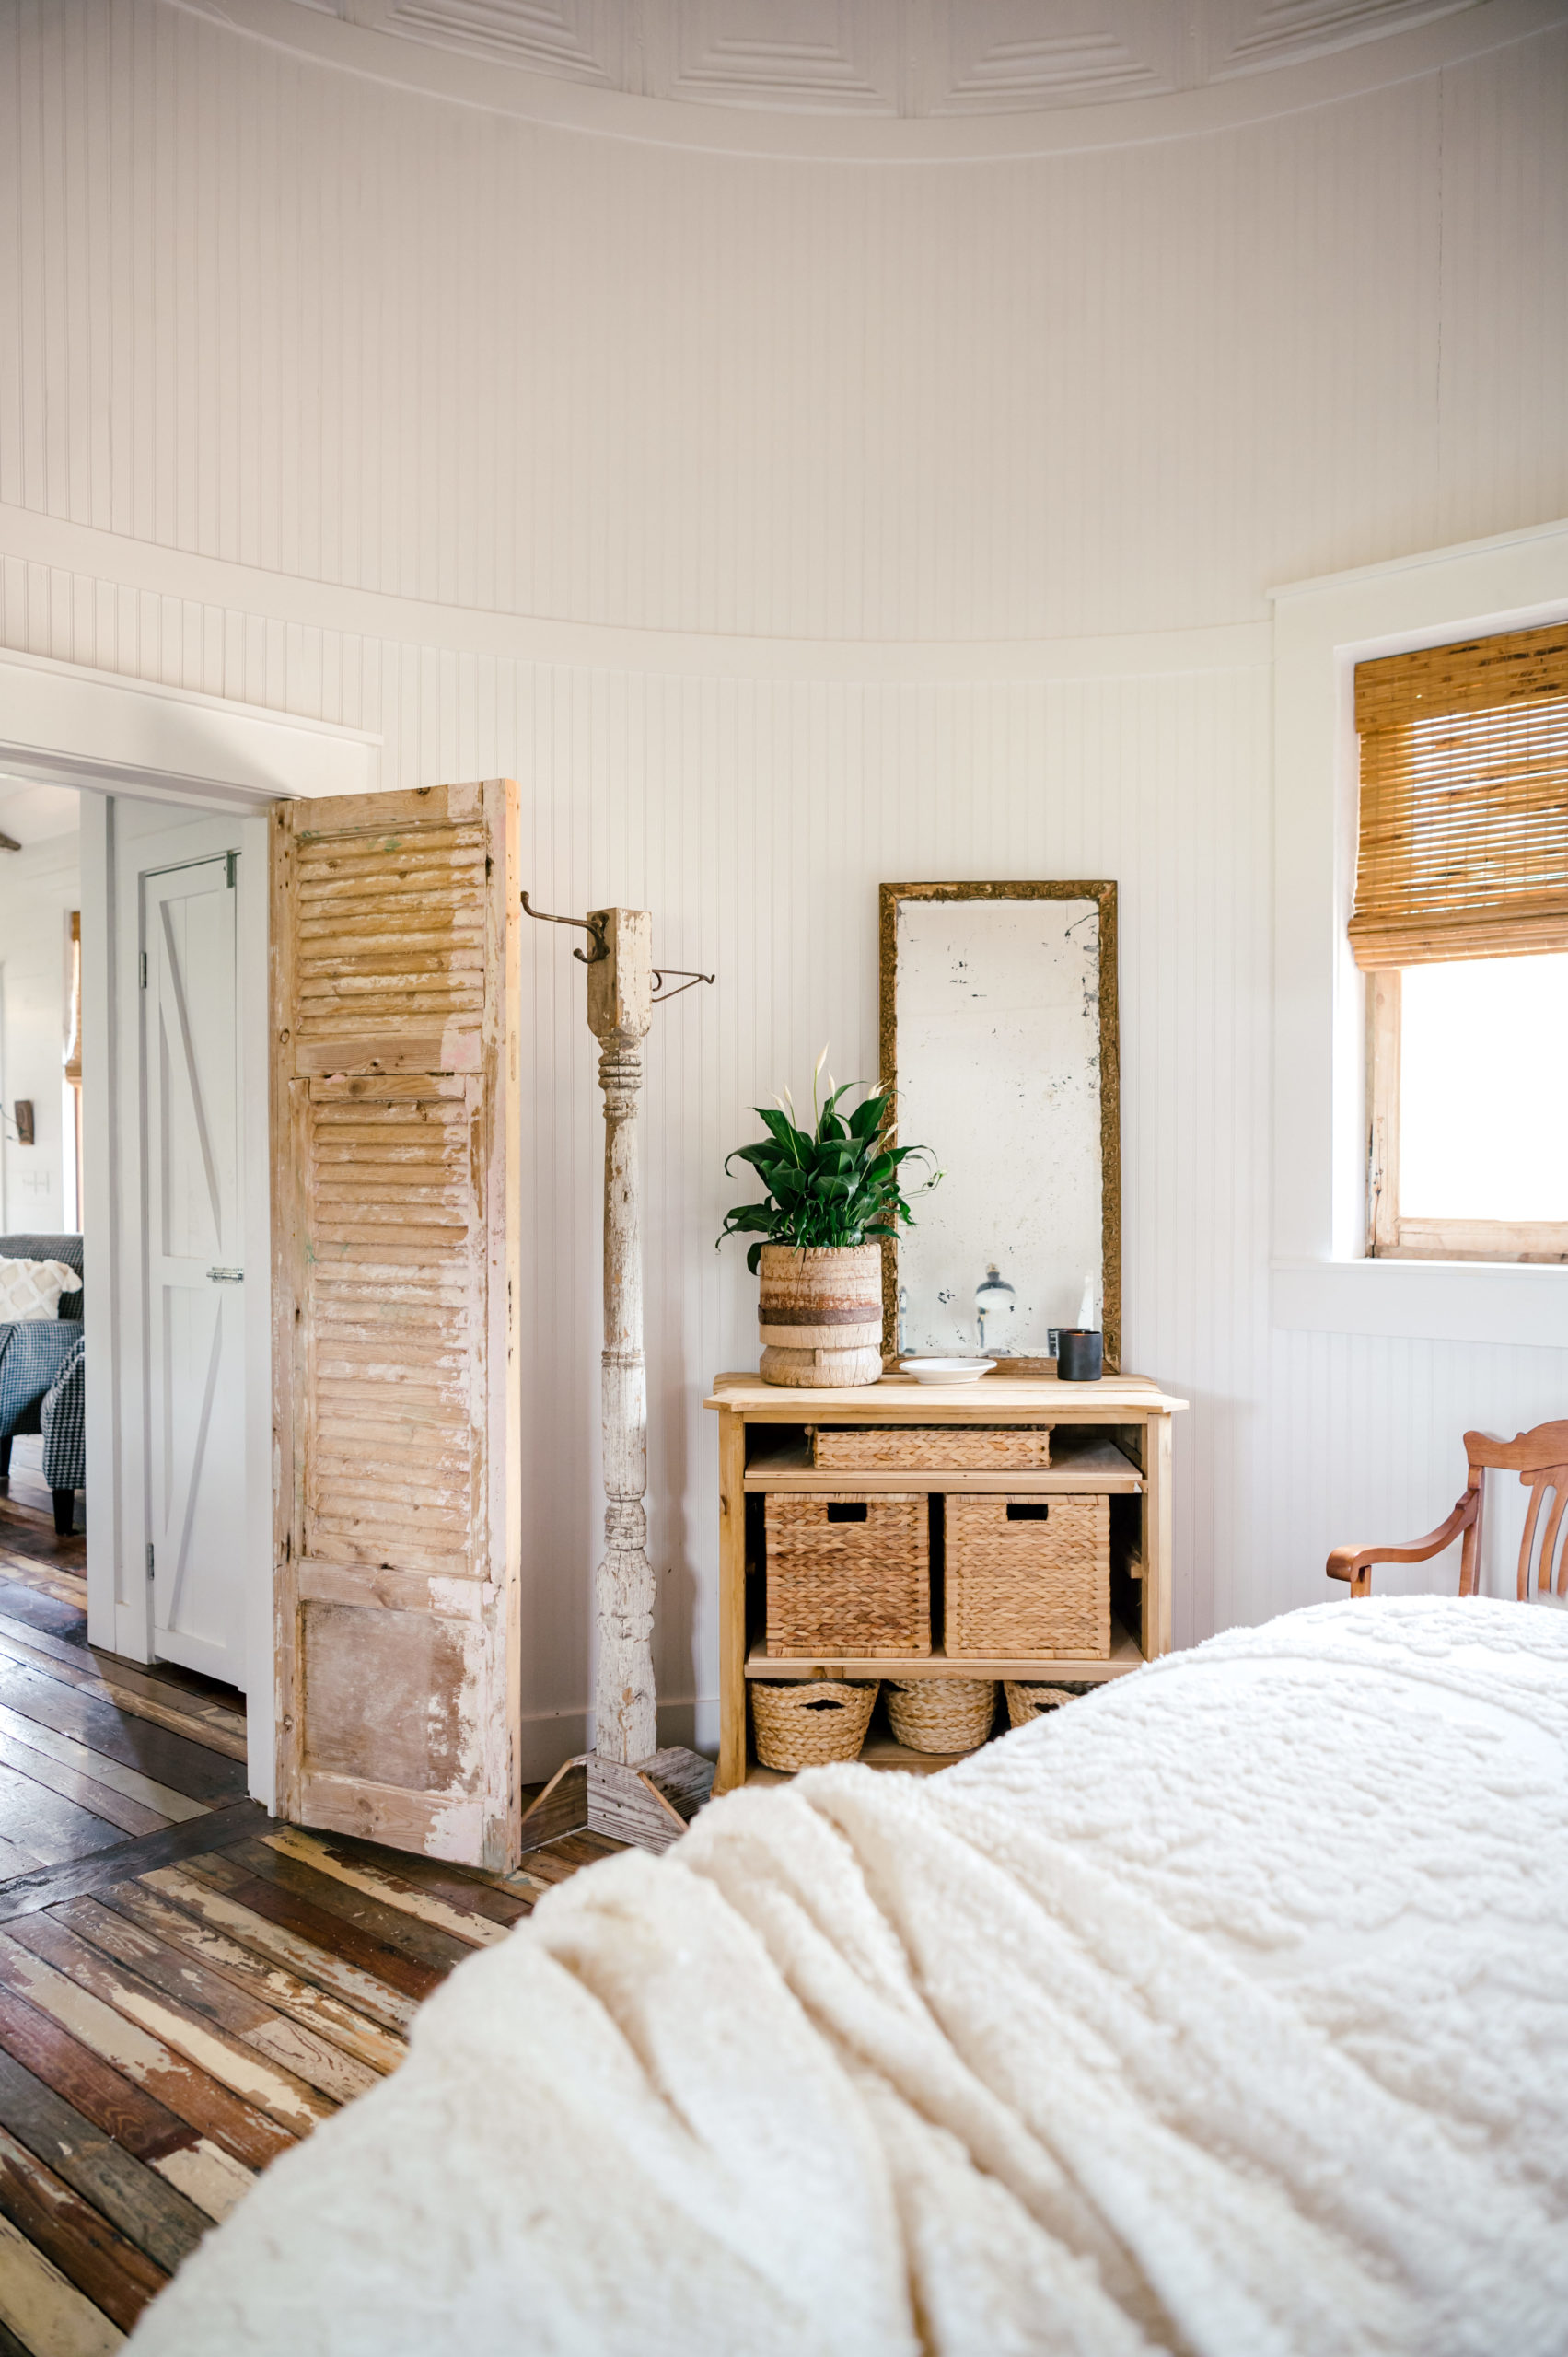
(999,1034)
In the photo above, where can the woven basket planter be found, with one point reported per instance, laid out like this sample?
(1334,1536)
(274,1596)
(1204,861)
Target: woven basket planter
(941,1713)
(926,1449)
(810,1724)
(819,1315)
(1026,1702)
(847,1576)
(1028,1577)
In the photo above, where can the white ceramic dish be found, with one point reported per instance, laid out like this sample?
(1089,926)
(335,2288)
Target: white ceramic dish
(945,1370)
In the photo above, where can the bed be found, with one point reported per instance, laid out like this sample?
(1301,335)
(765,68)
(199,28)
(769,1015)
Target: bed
(1224,2011)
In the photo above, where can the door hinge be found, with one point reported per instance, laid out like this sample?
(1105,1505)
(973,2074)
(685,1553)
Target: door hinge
(143,970)
(149,1559)
(232,861)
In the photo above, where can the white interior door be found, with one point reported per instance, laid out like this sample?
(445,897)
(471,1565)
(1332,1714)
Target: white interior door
(195,1267)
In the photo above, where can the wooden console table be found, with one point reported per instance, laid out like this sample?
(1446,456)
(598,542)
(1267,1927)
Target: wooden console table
(1112,1436)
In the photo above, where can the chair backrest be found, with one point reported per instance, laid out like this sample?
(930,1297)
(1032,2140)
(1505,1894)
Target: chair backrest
(48,1248)
(1539,1458)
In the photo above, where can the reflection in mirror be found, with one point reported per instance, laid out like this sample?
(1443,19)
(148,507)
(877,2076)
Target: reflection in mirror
(999,1033)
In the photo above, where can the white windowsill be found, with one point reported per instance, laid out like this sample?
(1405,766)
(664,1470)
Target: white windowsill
(1513,1302)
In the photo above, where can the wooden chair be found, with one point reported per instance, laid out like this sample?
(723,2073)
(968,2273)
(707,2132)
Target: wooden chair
(1541,1459)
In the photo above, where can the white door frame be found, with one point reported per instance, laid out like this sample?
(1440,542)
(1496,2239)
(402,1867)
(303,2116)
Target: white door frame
(67,726)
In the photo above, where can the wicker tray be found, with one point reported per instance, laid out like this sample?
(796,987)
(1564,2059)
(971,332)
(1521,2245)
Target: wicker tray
(806,1726)
(941,1713)
(1028,1576)
(1027,1700)
(930,1448)
(852,1581)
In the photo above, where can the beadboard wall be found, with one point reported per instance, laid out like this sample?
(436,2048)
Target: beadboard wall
(785,526)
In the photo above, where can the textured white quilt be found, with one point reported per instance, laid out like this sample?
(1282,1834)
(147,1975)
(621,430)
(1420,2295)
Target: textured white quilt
(1226,2011)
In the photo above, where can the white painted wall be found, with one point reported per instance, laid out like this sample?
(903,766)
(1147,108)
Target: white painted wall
(40,886)
(785,526)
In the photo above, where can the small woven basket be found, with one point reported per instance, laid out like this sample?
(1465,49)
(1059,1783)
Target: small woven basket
(941,1713)
(1026,1702)
(809,1723)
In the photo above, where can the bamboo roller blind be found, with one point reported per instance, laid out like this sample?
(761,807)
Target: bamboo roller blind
(1464,801)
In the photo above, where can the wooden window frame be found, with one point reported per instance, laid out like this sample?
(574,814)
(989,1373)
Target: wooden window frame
(1391,1237)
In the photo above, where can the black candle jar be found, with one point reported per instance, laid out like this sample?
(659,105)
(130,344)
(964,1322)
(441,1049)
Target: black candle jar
(1080,1354)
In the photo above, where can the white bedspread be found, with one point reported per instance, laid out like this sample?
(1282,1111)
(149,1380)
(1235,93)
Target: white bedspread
(1225,2011)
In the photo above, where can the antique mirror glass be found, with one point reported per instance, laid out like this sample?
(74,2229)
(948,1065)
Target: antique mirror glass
(999,1034)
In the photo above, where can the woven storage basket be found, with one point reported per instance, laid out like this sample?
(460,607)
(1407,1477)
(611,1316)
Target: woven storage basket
(854,1581)
(926,1449)
(1026,1702)
(1021,1582)
(941,1713)
(808,1724)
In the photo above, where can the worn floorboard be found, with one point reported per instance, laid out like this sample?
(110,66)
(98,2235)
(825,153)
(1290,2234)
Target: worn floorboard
(186,1987)
(103,1800)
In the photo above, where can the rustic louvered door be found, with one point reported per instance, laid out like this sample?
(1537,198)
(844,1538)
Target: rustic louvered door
(395,921)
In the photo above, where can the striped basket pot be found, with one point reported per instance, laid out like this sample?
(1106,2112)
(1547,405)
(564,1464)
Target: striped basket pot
(819,1315)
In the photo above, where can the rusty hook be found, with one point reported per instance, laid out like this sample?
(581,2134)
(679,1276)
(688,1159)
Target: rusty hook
(594,931)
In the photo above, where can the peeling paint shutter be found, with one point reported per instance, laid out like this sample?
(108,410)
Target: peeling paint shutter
(395,988)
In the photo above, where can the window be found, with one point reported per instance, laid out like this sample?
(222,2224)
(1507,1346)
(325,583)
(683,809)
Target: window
(1461,922)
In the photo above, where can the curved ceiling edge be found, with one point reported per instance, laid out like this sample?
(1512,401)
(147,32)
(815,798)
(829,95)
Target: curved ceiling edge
(87,551)
(498,88)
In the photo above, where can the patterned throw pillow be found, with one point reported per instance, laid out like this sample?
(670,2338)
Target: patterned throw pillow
(30,1289)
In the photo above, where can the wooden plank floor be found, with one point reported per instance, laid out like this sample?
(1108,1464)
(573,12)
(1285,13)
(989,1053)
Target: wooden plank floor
(186,1987)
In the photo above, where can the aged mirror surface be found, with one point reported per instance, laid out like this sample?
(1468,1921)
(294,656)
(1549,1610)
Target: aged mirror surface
(999,1033)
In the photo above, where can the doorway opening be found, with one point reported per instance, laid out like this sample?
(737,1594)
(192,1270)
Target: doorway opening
(41,1383)
(132,1158)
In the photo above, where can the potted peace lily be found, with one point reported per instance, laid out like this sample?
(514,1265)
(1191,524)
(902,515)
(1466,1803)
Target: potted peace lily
(833,1196)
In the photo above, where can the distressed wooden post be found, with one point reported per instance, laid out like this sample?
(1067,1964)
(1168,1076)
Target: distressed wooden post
(620,990)
(625,1787)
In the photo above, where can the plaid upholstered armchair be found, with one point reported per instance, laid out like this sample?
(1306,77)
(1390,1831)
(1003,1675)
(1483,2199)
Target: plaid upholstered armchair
(33,1356)
(62,1421)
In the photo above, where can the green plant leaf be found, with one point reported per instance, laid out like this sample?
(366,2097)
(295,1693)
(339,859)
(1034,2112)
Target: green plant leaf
(792,1139)
(764,1156)
(750,1219)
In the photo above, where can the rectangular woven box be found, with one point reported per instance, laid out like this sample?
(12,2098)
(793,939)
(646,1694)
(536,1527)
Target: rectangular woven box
(928,1448)
(1027,1578)
(847,1576)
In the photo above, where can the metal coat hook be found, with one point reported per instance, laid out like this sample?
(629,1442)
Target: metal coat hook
(688,978)
(594,931)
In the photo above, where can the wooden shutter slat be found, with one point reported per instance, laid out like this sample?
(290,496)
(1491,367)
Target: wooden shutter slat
(1463,847)
(396,981)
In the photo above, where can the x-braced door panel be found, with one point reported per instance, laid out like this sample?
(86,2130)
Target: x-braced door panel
(195,1267)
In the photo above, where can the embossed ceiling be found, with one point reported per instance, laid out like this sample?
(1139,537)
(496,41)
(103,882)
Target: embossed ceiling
(892,57)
